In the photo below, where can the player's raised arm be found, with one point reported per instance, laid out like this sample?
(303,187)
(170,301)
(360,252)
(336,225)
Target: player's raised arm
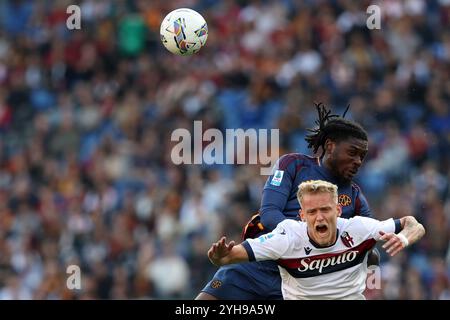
(277,191)
(398,233)
(222,253)
(270,246)
(412,231)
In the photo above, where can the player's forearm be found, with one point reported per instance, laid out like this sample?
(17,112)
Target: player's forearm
(412,229)
(237,254)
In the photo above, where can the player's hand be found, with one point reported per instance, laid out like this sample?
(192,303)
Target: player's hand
(393,243)
(220,250)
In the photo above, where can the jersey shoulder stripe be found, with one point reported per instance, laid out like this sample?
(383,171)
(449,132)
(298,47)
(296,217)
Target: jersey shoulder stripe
(358,204)
(301,159)
(356,187)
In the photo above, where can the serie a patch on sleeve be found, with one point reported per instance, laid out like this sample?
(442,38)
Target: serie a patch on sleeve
(277,177)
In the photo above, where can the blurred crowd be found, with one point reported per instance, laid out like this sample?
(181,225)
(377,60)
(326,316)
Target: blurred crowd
(86,116)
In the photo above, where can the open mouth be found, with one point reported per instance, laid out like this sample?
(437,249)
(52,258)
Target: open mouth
(321,228)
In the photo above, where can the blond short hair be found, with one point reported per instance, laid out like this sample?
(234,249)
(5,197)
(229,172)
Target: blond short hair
(317,186)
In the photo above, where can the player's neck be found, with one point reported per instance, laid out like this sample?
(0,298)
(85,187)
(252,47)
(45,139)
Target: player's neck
(331,242)
(330,171)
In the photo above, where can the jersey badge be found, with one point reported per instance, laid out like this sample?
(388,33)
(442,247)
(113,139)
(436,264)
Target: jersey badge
(216,284)
(277,177)
(345,200)
(347,239)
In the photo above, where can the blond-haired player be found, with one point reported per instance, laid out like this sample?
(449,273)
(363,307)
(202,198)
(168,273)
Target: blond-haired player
(322,256)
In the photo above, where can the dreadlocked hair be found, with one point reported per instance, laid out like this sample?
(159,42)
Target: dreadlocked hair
(334,127)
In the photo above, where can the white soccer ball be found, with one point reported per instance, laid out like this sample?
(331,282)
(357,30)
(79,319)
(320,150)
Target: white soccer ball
(184,31)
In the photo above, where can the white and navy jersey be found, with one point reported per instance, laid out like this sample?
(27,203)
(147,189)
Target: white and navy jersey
(311,272)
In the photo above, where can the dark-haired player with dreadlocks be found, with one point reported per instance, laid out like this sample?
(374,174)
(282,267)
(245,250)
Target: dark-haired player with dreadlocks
(343,146)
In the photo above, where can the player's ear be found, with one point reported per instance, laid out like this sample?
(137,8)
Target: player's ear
(339,210)
(302,215)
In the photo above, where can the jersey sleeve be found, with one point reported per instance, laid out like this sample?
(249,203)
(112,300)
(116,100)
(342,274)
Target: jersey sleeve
(272,206)
(283,175)
(273,245)
(277,190)
(373,226)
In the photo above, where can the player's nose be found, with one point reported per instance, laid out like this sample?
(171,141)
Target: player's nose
(319,217)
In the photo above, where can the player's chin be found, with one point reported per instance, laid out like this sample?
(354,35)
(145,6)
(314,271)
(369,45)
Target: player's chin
(349,175)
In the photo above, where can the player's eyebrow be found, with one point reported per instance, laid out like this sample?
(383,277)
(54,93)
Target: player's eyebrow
(358,148)
(318,208)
